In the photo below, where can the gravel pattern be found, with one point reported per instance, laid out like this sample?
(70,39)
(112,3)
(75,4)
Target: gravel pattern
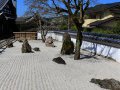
(37,71)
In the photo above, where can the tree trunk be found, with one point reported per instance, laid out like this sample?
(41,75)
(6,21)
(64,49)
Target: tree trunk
(78,45)
(69,22)
(42,36)
(79,38)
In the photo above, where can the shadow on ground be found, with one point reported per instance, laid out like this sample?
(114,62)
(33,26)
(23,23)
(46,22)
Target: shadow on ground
(2,50)
(84,56)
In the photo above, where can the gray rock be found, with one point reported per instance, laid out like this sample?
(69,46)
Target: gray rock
(66,36)
(49,42)
(67,46)
(26,48)
(111,84)
(36,49)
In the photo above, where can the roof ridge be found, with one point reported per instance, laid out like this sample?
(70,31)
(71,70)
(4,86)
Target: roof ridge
(3,3)
(101,7)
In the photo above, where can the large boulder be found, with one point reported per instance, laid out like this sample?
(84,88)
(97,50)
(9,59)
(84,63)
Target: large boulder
(110,84)
(66,36)
(68,45)
(26,48)
(59,60)
(49,42)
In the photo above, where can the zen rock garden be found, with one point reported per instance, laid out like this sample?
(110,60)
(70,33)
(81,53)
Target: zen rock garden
(60,45)
(67,49)
(55,67)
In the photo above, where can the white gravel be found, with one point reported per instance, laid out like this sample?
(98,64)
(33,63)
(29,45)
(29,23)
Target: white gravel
(37,71)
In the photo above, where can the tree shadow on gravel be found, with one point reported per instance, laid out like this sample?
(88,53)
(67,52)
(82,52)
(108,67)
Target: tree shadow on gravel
(83,56)
(2,50)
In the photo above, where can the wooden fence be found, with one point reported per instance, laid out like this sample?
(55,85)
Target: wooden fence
(25,35)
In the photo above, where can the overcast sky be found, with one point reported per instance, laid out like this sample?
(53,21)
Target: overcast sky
(21,8)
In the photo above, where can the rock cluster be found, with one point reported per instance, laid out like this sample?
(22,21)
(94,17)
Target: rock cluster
(111,84)
(26,48)
(68,45)
(49,42)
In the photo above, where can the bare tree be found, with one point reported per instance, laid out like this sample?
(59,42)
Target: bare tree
(39,22)
(73,8)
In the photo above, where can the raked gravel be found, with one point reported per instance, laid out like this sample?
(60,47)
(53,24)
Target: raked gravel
(37,71)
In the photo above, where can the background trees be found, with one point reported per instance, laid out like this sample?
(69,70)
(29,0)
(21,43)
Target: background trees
(72,8)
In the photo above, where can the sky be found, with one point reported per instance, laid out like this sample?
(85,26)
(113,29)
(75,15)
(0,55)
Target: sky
(21,7)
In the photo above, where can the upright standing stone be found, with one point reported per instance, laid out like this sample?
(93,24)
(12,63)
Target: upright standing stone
(68,45)
(26,48)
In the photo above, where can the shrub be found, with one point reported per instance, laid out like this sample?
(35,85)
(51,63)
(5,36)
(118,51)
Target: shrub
(116,29)
(73,28)
(87,30)
(63,27)
(99,30)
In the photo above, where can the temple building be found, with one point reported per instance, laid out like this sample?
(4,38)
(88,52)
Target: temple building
(7,18)
(103,15)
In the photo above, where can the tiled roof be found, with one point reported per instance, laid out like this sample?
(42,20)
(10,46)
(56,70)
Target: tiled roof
(98,23)
(3,3)
(22,19)
(102,7)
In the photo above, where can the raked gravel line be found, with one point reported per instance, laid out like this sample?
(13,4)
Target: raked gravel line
(37,71)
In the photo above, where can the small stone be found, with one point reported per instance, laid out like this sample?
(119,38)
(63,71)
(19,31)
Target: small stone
(59,60)
(36,49)
(20,41)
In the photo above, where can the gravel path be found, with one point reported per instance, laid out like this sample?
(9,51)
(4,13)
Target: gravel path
(37,71)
